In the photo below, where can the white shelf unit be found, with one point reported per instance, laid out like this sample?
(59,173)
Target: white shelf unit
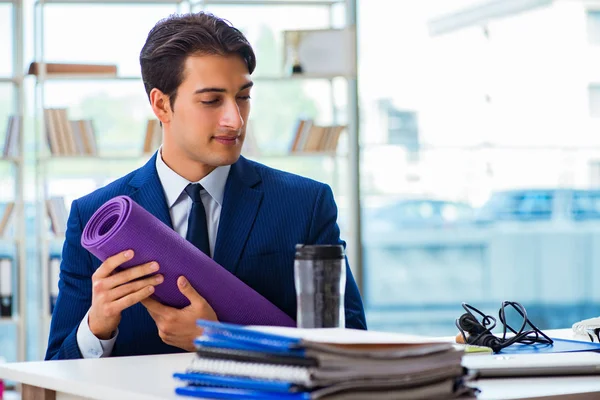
(43,157)
(16,242)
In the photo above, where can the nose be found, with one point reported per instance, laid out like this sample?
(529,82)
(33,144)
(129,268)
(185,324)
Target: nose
(231,117)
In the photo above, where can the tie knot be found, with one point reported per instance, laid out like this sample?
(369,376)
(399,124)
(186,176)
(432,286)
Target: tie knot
(193,190)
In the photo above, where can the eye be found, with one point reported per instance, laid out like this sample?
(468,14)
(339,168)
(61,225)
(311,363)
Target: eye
(215,101)
(244,98)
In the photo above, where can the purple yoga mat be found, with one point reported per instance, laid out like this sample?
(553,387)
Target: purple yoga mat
(121,224)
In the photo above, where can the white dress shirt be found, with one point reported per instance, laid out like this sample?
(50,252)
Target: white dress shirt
(179,204)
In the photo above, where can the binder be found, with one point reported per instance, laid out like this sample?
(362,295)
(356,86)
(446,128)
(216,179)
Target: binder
(234,361)
(6,295)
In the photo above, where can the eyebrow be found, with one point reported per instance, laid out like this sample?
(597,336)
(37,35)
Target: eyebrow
(221,90)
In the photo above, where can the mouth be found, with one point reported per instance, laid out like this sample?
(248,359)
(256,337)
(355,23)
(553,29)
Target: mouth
(227,140)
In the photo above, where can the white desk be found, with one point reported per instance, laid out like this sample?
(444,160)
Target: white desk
(127,378)
(150,378)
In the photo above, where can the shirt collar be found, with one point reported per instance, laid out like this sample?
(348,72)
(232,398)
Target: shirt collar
(174,184)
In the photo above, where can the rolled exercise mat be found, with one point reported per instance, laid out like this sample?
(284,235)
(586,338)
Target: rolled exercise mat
(121,224)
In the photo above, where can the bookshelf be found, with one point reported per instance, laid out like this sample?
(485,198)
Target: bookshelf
(44,159)
(13,276)
(49,242)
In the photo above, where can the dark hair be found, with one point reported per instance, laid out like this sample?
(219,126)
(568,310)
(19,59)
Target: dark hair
(173,39)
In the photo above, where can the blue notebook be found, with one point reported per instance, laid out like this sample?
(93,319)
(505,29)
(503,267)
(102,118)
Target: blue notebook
(559,346)
(202,379)
(221,393)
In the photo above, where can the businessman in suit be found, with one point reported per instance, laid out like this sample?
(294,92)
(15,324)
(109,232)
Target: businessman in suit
(196,71)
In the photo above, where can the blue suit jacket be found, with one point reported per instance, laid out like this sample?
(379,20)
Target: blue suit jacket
(265,213)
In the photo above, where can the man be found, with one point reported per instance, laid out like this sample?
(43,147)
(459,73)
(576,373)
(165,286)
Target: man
(196,70)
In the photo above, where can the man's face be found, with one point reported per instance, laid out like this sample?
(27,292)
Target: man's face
(208,121)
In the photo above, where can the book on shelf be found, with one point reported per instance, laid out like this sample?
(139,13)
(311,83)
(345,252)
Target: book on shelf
(73,69)
(69,138)
(14,128)
(53,277)
(6,295)
(58,214)
(6,211)
(153,138)
(85,137)
(309,137)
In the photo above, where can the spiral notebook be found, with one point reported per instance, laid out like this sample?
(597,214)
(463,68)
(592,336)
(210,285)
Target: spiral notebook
(255,362)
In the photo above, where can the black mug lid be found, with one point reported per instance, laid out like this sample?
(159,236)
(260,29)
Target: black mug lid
(319,251)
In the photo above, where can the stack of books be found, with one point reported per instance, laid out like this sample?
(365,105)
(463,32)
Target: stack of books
(239,362)
(69,138)
(309,137)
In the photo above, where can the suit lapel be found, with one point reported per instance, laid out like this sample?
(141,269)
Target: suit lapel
(148,191)
(241,203)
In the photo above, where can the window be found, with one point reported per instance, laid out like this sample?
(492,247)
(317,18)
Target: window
(594,100)
(593,26)
(491,137)
(6,48)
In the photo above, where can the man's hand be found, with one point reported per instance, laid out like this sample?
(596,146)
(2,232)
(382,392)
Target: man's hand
(114,292)
(178,327)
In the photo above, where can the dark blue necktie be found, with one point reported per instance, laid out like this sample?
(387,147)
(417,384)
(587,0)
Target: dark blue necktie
(197,232)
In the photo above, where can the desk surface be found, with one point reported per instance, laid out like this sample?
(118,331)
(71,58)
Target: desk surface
(150,378)
(133,378)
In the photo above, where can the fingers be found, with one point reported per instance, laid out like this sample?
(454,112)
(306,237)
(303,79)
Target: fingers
(130,274)
(155,308)
(188,291)
(133,298)
(131,287)
(114,292)
(198,304)
(109,265)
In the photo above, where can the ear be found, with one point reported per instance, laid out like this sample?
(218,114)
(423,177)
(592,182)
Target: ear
(160,105)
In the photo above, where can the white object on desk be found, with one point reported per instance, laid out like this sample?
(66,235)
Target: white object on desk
(587,329)
(515,365)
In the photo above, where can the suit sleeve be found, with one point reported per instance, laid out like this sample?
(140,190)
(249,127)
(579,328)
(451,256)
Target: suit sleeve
(324,230)
(75,293)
